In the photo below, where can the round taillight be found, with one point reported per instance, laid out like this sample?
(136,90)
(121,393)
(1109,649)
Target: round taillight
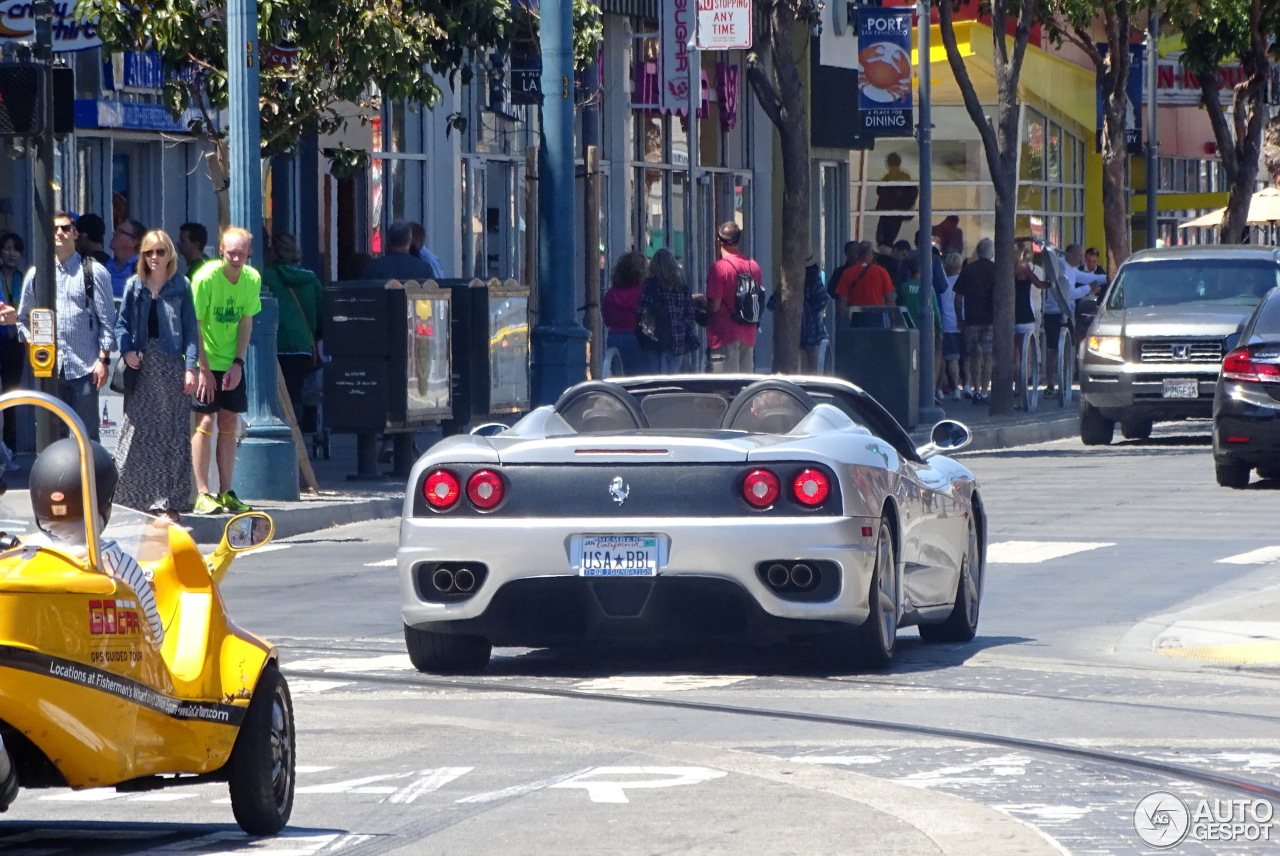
(485,489)
(441,490)
(761,488)
(811,487)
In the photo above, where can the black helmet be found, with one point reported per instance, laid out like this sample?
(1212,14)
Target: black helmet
(56,496)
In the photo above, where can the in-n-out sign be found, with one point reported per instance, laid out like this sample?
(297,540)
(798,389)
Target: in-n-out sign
(724,25)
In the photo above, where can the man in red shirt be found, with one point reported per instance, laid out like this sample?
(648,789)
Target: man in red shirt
(730,345)
(863,284)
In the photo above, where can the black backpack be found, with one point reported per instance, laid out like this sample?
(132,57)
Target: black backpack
(748,298)
(653,327)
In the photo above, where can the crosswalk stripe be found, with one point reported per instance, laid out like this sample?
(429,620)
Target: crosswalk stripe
(1033,552)
(1261,556)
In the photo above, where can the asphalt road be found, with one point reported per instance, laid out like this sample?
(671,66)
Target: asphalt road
(1041,736)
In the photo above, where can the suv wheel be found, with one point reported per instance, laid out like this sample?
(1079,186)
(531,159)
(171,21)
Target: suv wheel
(1231,472)
(1139,429)
(1095,429)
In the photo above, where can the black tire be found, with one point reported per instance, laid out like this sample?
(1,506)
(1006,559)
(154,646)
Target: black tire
(446,653)
(876,640)
(261,769)
(1231,472)
(1269,472)
(1095,429)
(1139,429)
(962,624)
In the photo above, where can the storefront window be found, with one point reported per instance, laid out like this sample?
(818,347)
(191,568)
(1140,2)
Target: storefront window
(1050,181)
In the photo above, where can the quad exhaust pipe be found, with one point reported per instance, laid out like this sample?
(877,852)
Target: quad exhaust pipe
(794,576)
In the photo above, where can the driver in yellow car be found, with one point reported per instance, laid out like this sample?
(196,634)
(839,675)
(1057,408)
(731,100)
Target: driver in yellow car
(57,501)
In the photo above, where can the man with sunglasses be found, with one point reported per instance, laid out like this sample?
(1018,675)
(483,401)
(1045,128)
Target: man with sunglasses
(86,323)
(124,243)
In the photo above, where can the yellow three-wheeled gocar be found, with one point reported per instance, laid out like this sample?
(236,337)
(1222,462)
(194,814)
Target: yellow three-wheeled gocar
(90,697)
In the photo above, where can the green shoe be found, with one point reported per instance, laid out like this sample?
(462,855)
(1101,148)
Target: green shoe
(231,502)
(208,504)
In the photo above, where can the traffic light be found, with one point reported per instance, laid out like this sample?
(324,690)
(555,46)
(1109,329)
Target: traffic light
(21,101)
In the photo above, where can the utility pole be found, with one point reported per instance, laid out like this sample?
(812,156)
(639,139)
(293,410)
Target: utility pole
(693,232)
(266,462)
(1153,141)
(45,289)
(929,411)
(559,341)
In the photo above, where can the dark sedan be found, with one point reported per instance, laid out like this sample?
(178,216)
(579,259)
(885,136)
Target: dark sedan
(1246,403)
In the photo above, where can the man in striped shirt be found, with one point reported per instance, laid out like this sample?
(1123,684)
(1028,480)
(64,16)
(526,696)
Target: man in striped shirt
(86,323)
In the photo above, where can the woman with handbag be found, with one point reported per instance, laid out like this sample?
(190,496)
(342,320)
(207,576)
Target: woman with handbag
(301,299)
(619,309)
(158,339)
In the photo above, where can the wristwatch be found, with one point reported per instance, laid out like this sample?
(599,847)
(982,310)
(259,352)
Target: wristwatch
(106,361)
(239,362)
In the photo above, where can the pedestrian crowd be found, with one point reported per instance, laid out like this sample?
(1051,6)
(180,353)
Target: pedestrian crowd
(652,313)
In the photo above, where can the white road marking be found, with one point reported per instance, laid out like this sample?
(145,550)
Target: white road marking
(163,796)
(432,780)
(1047,814)
(1033,552)
(984,772)
(841,760)
(520,790)
(385,563)
(308,768)
(301,686)
(385,663)
(90,795)
(615,792)
(357,786)
(659,683)
(1261,556)
(265,548)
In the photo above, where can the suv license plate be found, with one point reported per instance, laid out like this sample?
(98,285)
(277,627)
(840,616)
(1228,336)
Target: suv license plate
(617,555)
(1181,388)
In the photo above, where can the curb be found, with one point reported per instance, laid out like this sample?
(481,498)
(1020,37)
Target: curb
(290,521)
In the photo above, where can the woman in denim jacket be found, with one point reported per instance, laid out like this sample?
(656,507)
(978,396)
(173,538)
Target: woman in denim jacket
(157,335)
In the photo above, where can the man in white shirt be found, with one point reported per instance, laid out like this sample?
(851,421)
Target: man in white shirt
(1079,284)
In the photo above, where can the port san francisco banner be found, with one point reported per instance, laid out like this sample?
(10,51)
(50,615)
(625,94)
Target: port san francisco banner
(884,72)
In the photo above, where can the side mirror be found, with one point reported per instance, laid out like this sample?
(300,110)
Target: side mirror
(1088,306)
(489,429)
(248,531)
(947,436)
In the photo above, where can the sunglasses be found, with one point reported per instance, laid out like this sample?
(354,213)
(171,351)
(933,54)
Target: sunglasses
(63,227)
(159,251)
(126,232)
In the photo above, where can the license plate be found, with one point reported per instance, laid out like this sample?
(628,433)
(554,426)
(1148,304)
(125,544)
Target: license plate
(1181,388)
(616,555)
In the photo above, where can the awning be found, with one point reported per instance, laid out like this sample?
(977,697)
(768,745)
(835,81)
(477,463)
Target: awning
(1264,210)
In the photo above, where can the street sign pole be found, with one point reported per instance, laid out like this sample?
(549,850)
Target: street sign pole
(266,462)
(45,290)
(559,341)
(929,411)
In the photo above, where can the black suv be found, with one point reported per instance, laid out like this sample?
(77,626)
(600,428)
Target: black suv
(1154,351)
(1246,406)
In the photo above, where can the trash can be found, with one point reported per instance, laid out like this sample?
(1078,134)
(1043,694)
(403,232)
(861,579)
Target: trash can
(879,350)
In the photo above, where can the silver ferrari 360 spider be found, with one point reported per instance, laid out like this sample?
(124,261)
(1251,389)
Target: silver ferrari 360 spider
(782,509)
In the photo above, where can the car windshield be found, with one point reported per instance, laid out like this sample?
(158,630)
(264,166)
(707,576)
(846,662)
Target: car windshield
(142,536)
(1169,282)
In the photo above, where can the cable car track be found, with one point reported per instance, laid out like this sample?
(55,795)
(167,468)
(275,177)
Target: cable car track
(1168,770)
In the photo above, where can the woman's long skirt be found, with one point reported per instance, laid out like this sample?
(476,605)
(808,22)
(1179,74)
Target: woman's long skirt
(153,454)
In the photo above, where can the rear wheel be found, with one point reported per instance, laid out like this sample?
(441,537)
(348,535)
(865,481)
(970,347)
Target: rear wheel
(1139,429)
(446,653)
(877,638)
(1231,472)
(962,624)
(1269,472)
(261,773)
(1095,429)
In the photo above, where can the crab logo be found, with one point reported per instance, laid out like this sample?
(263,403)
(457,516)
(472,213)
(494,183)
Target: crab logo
(1161,819)
(618,490)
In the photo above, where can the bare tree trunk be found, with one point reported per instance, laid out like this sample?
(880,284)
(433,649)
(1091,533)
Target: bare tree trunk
(1112,73)
(219,160)
(780,92)
(1000,145)
(1240,141)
